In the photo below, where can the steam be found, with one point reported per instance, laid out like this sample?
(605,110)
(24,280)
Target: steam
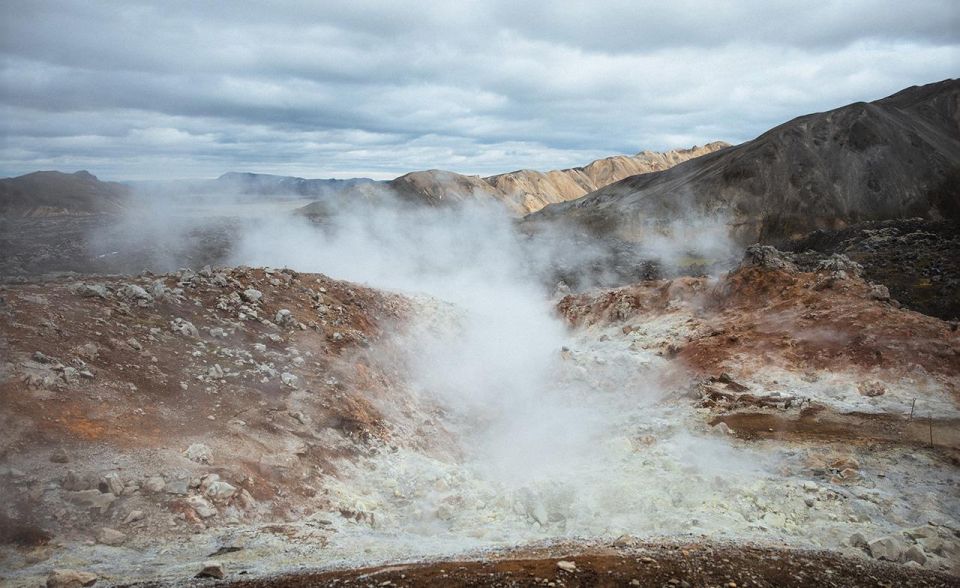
(558,432)
(548,421)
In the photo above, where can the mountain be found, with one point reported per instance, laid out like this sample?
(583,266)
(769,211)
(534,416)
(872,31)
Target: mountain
(270,185)
(891,158)
(526,191)
(51,192)
(532,190)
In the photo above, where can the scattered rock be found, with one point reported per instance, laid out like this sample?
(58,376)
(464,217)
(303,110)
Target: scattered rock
(90,290)
(108,536)
(135,293)
(70,579)
(184,327)
(871,389)
(201,506)
(91,499)
(723,428)
(154,484)
(915,553)
(59,455)
(567,566)
(212,569)
(133,516)
(879,292)
(840,263)
(886,548)
(768,257)
(251,295)
(112,483)
(285,318)
(198,452)
(858,540)
(288,379)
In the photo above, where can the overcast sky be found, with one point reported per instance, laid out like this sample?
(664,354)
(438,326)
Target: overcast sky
(137,90)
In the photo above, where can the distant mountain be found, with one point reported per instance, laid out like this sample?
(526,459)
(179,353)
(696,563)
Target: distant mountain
(893,158)
(52,192)
(270,185)
(531,190)
(525,191)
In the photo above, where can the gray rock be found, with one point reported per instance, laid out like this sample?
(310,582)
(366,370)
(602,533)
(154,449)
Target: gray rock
(91,499)
(59,455)
(108,536)
(886,548)
(284,318)
(90,290)
(198,452)
(915,553)
(839,262)
(201,506)
(74,483)
(219,491)
(177,487)
(212,569)
(879,292)
(288,379)
(135,293)
(767,256)
(154,484)
(133,516)
(70,579)
(184,327)
(251,295)
(858,540)
(112,483)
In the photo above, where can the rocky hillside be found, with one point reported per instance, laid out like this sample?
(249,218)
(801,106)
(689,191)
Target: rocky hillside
(887,159)
(526,191)
(51,192)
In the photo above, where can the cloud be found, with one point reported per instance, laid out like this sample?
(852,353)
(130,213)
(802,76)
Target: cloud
(142,90)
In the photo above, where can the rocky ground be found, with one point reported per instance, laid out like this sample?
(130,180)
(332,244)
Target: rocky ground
(770,427)
(918,260)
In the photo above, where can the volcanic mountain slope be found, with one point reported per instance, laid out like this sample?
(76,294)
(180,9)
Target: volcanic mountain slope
(525,191)
(887,159)
(50,192)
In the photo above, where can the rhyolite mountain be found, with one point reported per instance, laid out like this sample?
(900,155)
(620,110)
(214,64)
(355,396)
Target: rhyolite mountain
(892,158)
(525,191)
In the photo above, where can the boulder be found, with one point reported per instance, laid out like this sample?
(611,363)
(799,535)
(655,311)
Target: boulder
(89,290)
(184,327)
(567,566)
(112,483)
(212,569)
(198,452)
(154,484)
(251,295)
(915,553)
(886,548)
(108,536)
(768,257)
(70,579)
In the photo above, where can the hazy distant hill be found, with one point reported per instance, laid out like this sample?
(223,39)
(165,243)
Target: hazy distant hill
(892,158)
(52,192)
(271,185)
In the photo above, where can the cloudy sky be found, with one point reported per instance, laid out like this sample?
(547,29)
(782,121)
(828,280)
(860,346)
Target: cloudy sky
(137,90)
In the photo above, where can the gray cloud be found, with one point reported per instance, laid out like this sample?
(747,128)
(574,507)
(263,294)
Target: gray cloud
(141,90)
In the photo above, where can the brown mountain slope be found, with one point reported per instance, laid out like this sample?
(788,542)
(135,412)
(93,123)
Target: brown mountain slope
(52,192)
(867,161)
(525,191)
